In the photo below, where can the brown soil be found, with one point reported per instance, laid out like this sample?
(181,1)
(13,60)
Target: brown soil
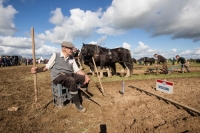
(133,112)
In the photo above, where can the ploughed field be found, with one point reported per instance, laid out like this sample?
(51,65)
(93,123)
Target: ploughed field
(132,112)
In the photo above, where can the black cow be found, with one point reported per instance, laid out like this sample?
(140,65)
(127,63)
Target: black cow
(151,61)
(148,60)
(134,60)
(140,61)
(197,60)
(105,57)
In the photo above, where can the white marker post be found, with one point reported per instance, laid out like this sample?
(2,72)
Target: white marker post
(164,86)
(123,89)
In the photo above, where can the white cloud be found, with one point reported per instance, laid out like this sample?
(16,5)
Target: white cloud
(190,53)
(7,27)
(185,53)
(101,40)
(125,14)
(15,42)
(20,42)
(142,48)
(109,31)
(23,46)
(197,51)
(57,17)
(127,46)
(80,24)
(144,51)
(93,42)
(46,50)
(179,21)
(174,50)
(177,18)
(2,50)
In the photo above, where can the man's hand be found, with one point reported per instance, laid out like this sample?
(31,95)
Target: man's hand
(33,70)
(38,70)
(87,79)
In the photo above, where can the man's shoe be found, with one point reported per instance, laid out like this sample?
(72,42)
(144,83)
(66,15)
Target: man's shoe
(79,107)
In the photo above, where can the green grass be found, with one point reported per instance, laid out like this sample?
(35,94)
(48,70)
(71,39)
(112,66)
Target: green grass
(152,76)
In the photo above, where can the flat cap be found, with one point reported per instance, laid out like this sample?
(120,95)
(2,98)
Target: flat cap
(67,44)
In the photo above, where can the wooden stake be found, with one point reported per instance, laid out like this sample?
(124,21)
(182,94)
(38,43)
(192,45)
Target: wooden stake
(98,76)
(34,63)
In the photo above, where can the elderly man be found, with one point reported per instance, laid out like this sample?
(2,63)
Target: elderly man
(65,63)
(184,63)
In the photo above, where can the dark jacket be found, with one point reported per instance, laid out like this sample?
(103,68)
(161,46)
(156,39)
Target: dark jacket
(161,59)
(182,60)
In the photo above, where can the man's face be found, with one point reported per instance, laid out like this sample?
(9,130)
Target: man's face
(68,50)
(155,56)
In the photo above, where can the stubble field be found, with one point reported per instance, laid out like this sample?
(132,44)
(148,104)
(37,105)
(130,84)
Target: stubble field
(133,112)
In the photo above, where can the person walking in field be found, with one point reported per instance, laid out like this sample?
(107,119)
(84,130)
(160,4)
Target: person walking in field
(163,60)
(76,55)
(64,62)
(1,62)
(173,61)
(184,63)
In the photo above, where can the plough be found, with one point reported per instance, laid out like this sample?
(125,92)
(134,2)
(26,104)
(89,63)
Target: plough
(157,70)
(153,71)
(172,68)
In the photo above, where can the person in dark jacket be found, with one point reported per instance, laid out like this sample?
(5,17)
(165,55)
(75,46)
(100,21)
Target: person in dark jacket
(184,63)
(173,61)
(76,54)
(1,62)
(64,62)
(162,60)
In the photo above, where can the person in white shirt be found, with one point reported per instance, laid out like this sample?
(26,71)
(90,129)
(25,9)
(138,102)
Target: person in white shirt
(64,62)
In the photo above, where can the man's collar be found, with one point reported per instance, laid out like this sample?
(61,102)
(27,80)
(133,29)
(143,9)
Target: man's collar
(62,55)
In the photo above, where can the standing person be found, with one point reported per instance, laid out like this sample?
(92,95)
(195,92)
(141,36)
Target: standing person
(5,61)
(184,63)
(163,60)
(76,55)
(65,63)
(173,61)
(140,61)
(1,62)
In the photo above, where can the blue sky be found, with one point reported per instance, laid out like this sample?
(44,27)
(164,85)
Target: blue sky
(167,27)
